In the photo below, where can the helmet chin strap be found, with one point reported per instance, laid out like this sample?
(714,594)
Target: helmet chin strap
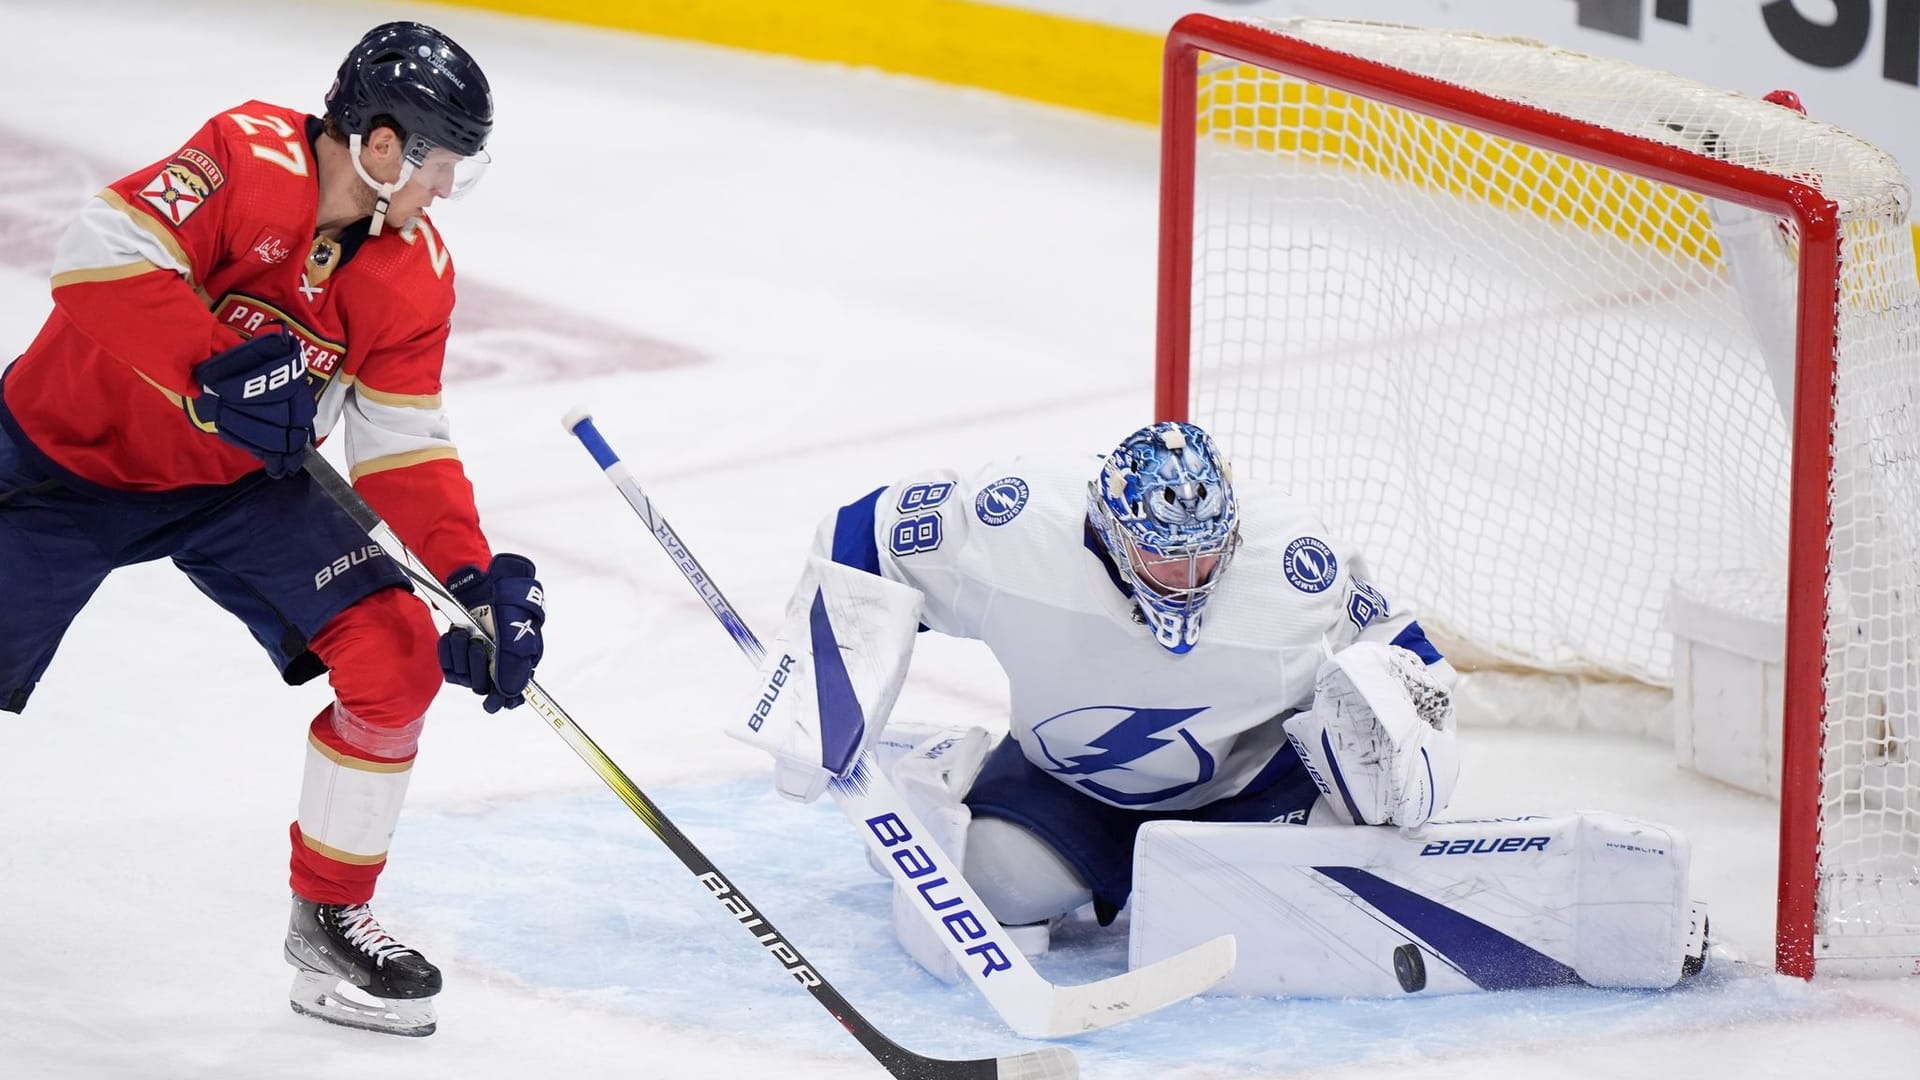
(383,193)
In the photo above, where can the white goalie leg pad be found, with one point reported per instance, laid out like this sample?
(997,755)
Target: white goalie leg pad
(1023,883)
(831,676)
(1379,740)
(933,777)
(933,769)
(1452,907)
(1017,876)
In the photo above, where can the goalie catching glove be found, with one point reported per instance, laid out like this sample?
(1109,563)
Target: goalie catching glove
(1379,739)
(830,677)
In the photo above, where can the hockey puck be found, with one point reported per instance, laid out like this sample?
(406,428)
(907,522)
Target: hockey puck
(1410,968)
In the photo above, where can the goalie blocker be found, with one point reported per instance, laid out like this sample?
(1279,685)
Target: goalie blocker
(1590,898)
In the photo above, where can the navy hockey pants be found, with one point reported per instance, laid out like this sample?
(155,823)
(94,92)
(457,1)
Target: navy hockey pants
(277,554)
(1096,838)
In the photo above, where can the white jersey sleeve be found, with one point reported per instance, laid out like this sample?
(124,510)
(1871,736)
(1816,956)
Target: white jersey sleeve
(919,531)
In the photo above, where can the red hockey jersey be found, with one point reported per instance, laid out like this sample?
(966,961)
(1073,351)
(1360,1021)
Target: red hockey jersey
(183,259)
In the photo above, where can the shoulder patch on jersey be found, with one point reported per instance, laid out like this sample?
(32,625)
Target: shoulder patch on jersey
(202,161)
(1310,564)
(182,186)
(1002,500)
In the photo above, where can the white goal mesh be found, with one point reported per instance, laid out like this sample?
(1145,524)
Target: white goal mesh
(1515,368)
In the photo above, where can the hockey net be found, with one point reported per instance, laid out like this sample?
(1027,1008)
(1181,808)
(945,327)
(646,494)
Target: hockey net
(1462,293)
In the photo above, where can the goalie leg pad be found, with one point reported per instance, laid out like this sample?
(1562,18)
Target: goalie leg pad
(920,938)
(1024,883)
(1019,878)
(932,769)
(1453,907)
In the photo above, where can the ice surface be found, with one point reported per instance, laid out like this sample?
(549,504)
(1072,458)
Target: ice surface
(777,285)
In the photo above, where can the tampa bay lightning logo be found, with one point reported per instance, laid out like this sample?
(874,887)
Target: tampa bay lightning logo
(1310,564)
(1124,755)
(1001,501)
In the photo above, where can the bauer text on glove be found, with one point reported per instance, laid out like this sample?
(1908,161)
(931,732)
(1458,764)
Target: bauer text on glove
(256,396)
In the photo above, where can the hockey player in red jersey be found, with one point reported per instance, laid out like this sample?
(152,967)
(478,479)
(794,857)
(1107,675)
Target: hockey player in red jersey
(214,314)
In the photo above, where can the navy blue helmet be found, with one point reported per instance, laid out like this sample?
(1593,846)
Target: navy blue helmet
(415,74)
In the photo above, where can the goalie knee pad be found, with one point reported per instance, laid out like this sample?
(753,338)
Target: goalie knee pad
(933,769)
(1023,882)
(1019,877)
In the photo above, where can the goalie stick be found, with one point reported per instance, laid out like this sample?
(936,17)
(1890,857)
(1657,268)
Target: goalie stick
(1029,1004)
(1046,1063)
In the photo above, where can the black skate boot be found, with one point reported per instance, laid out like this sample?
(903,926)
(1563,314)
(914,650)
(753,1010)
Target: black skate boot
(351,972)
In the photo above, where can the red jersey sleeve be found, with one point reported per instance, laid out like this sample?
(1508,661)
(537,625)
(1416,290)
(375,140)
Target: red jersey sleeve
(145,245)
(400,448)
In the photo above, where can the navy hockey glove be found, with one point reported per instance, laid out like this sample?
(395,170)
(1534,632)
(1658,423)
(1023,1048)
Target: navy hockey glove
(506,599)
(257,397)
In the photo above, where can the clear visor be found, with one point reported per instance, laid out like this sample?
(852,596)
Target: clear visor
(448,175)
(1174,576)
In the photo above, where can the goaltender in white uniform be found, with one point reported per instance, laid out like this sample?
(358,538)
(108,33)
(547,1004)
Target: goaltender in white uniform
(1200,679)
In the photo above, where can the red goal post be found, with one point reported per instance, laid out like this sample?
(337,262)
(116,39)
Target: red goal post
(1357,221)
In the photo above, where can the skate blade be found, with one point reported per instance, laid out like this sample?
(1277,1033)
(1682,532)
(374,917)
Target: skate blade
(325,997)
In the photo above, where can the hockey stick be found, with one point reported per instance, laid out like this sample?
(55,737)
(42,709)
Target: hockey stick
(1029,1004)
(1047,1063)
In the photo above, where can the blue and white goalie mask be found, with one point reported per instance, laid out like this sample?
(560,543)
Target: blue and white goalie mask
(1165,509)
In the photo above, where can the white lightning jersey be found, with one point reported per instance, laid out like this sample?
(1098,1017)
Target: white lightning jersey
(1003,555)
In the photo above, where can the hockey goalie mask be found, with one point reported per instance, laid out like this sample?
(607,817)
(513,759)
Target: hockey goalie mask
(1165,509)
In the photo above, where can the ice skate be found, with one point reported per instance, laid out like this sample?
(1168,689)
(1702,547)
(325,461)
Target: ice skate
(351,972)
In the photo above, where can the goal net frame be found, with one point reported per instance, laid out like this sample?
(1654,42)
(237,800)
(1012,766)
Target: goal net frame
(1818,221)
